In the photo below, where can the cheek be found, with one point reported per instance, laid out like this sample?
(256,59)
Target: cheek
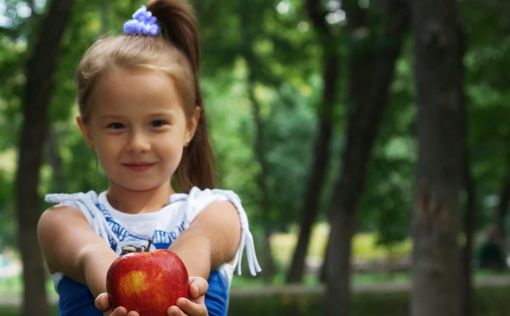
(106,149)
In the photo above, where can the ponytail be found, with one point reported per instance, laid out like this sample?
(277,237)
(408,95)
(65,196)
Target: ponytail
(180,28)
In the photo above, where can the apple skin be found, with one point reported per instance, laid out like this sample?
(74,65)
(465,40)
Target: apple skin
(147,282)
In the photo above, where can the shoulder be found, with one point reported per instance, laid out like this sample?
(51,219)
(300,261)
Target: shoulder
(206,196)
(70,211)
(72,198)
(220,214)
(55,226)
(199,201)
(60,215)
(220,209)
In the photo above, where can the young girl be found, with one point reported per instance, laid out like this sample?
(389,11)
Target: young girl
(141,113)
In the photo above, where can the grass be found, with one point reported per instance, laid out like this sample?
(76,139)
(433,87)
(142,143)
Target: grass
(14,311)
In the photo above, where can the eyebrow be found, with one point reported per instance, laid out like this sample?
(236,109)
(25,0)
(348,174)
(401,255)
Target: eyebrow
(110,116)
(162,113)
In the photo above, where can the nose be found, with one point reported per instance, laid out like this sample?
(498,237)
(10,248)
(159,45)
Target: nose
(138,142)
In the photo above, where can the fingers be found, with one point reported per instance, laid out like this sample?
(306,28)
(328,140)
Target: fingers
(195,306)
(175,311)
(187,307)
(121,311)
(198,287)
(102,303)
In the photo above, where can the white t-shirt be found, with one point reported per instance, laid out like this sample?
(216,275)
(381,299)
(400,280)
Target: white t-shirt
(163,227)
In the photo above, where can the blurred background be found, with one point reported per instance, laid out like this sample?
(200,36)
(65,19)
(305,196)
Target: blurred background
(368,140)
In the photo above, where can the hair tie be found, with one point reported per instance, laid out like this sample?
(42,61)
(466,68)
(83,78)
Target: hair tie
(143,23)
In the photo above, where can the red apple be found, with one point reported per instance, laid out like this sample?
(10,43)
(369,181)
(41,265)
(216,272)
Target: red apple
(147,282)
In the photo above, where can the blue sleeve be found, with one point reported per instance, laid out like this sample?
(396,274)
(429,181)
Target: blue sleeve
(75,299)
(216,298)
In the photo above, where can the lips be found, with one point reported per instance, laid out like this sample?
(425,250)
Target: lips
(138,166)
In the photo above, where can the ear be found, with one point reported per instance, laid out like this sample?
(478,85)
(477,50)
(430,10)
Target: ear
(192,125)
(85,132)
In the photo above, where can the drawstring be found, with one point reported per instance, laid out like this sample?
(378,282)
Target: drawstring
(246,236)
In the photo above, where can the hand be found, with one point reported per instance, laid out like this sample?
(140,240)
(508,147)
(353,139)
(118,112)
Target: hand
(102,303)
(195,306)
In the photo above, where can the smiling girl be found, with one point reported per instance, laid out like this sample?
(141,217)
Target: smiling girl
(141,113)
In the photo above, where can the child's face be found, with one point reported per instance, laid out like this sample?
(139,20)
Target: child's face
(137,128)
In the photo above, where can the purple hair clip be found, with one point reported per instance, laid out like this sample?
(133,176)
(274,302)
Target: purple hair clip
(143,23)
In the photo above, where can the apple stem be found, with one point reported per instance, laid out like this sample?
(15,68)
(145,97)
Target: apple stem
(149,243)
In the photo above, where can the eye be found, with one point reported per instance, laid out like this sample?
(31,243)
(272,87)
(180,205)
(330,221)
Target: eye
(115,125)
(158,123)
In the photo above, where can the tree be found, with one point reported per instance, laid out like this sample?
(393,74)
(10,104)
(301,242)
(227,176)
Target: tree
(503,202)
(469,189)
(39,72)
(260,148)
(370,74)
(322,148)
(439,171)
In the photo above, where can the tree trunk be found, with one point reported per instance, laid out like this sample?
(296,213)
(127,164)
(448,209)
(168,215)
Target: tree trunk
(310,209)
(39,82)
(260,155)
(439,175)
(503,203)
(469,227)
(470,193)
(55,161)
(371,73)
(259,141)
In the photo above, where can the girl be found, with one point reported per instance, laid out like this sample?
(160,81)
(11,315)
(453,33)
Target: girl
(141,113)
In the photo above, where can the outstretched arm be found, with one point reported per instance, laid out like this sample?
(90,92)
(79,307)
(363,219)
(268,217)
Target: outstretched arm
(212,239)
(71,246)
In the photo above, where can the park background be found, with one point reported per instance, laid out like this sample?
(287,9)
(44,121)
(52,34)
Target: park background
(368,140)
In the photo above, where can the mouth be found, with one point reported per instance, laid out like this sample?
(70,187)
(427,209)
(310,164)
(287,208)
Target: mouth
(138,166)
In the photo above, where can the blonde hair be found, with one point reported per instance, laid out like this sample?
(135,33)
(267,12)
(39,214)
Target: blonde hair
(176,53)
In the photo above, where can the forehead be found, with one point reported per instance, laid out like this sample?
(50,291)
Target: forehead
(120,88)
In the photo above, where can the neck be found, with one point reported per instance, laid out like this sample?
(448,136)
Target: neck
(134,202)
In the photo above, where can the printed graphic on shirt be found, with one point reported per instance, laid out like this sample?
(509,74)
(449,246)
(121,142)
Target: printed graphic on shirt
(160,239)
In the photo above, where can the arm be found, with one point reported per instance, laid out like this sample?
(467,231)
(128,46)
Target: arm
(212,239)
(71,246)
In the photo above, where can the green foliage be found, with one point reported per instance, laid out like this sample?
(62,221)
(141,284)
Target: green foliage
(283,61)
(283,89)
(487,93)
(14,44)
(7,232)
